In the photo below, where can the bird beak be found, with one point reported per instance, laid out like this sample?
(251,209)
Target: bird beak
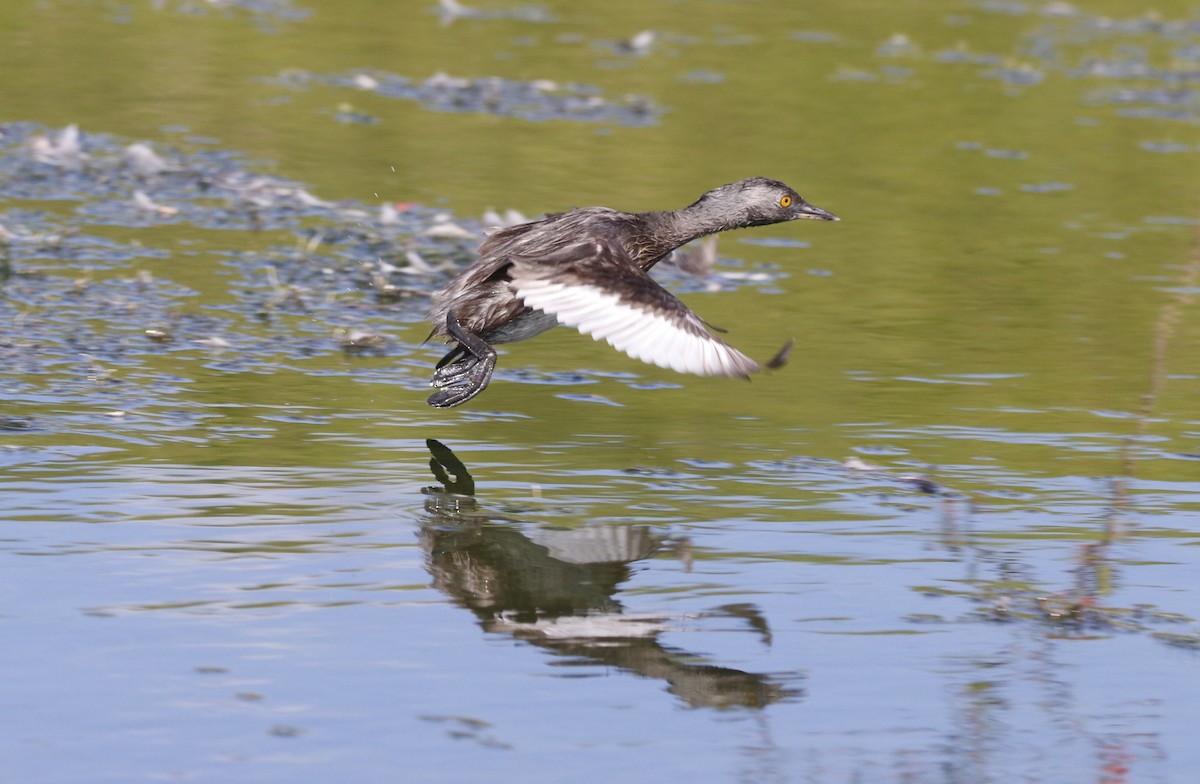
(810,212)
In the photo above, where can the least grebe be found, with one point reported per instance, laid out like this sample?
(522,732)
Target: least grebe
(588,269)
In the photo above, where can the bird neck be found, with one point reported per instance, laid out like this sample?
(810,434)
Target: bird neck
(665,231)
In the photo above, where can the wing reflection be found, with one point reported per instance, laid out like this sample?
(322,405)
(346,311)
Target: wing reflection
(554,588)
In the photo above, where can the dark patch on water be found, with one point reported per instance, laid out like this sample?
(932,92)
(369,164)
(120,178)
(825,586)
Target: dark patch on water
(353,275)
(346,278)
(135,185)
(1167,147)
(702,76)
(1156,60)
(814,37)
(267,14)
(1047,187)
(540,99)
(963,55)
(1080,612)
(1021,75)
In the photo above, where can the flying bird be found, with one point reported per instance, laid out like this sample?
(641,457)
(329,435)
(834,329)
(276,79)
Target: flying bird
(588,268)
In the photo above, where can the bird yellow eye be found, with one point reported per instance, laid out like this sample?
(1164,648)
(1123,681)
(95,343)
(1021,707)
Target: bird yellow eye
(786,201)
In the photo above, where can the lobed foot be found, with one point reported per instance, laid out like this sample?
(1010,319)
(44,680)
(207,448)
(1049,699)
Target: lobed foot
(463,384)
(465,371)
(445,375)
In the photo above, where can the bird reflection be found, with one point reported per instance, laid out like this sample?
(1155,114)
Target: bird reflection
(554,588)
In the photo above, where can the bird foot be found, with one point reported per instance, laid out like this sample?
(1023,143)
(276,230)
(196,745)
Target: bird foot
(467,381)
(446,375)
(465,371)
(781,357)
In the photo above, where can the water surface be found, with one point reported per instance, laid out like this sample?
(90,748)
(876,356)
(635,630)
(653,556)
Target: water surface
(954,541)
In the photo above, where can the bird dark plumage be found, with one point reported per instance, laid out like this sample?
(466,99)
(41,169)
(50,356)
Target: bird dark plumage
(588,269)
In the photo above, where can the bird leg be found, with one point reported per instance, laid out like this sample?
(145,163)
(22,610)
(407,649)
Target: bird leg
(451,356)
(459,380)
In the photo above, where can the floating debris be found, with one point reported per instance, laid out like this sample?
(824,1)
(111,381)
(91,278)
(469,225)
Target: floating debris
(845,74)
(1016,74)
(494,220)
(63,150)
(144,202)
(264,13)
(1010,7)
(539,99)
(1072,614)
(348,114)
(444,227)
(1015,155)
(1047,187)
(1190,642)
(919,483)
(814,36)
(143,161)
(1059,9)
(215,342)
(961,53)
(1166,147)
(638,45)
(451,10)
(899,45)
(699,259)
(702,76)
(358,341)
(365,82)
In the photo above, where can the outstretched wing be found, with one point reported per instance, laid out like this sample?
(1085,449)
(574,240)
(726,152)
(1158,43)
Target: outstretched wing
(596,287)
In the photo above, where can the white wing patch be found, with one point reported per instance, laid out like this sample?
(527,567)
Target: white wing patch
(651,337)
